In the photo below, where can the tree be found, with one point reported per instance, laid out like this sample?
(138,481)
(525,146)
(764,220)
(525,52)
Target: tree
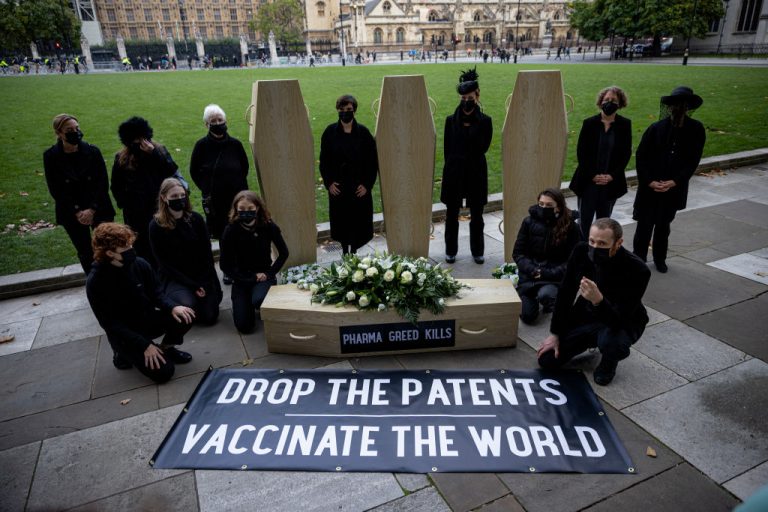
(25,21)
(284,18)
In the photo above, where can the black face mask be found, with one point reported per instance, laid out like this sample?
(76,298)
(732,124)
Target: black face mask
(178,205)
(598,256)
(547,214)
(246,216)
(135,148)
(218,129)
(468,105)
(346,116)
(609,108)
(128,256)
(73,137)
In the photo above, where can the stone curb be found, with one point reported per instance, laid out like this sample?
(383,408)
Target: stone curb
(45,280)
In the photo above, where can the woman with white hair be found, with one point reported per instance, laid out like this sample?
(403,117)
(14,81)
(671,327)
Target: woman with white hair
(219,167)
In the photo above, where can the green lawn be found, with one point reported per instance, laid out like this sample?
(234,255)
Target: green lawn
(735,113)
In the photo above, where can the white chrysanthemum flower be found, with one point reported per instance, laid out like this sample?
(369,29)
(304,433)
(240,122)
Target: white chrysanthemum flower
(366,261)
(382,307)
(372,271)
(351,296)
(441,301)
(363,301)
(389,275)
(358,276)
(406,277)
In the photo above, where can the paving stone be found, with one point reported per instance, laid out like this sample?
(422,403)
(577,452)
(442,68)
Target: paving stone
(376,363)
(99,462)
(745,244)
(747,189)
(412,481)
(24,333)
(748,212)
(172,494)
(38,380)
(705,255)
(71,418)
(466,491)
(425,499)
(673,293)
(716,423)
(506,504)
(291,491)
(746,484)
(338,365)
(218,345)
(703,228)
(655,317)
(680,489)
(570,492)
(686,351)
(51,303)
(490,358)
(255,344)
(109,380)
(745,265)
(178,391)
(16,477)
(64,327)
(743,325)
(534,334)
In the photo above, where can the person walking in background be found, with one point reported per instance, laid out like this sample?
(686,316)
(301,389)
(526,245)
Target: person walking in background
(603,152)
(77,180)
(667,157)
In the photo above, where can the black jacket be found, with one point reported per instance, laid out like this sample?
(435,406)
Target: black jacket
(78,181)
(123,298)
(219,167)
(136,188)
(668,153)
(349,160)
(587,155)
(184,253)
(535,250)
(622,281)
(465,171)
(246,252)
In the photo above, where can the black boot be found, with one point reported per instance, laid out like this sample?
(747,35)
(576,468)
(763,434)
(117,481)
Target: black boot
(605,371)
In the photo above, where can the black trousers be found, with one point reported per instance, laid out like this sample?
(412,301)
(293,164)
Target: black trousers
(206,308)
(531,298)
(654,223)
(476,225)
(81,239)
(154,326)
(613,344)
(246,299)
(593,204)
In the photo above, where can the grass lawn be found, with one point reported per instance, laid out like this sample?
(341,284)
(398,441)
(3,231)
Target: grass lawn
(735,113)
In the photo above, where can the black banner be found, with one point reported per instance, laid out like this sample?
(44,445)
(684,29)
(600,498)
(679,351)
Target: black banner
(394,421)
(401,336)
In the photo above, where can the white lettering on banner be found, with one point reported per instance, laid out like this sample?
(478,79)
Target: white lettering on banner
(364,393)
(411,388)
(360,338)
(599,449)
(502,392)
(443,333)
(277,392)
(523,441)
(546,385)
(435,439)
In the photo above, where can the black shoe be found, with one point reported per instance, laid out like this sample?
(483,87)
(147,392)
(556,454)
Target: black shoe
(479,260)
(227,279)
(547,307)
(120,362)
(661,267)
(450,258)
(605,371)
(176,356)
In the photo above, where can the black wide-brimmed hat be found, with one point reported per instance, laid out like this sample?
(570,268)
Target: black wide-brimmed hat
(685,95)
(468,81)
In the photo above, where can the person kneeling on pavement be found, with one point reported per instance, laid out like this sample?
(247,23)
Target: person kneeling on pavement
(129,304)
(599,303)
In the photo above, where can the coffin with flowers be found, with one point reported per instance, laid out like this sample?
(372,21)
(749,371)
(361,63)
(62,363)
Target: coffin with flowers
(483,315)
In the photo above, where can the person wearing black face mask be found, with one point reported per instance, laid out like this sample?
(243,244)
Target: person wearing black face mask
(77,179)
(667,157)
(349,165)
(246,256)
(132,308)
(545,240)
(599,303)
(182,248)
(467,137)
(219,168)
(603,152)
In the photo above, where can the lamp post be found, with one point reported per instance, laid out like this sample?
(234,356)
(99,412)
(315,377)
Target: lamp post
(517,29)
(341,38)
(690,32)
(722,27)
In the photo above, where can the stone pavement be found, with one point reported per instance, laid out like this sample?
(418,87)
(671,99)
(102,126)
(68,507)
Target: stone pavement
(695,389)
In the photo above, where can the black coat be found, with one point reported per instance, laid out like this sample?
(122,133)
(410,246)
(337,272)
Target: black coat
(349,160)
(587,154)
(622,281)
(246,252)
(668,153)
(535,250)
(78,181)
(123,299)
(465,171)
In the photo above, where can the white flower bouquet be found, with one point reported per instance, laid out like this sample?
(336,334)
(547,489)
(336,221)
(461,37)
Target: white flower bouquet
(303,275)
(507,271)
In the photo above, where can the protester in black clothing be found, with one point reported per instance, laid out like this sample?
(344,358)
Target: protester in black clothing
(599,303)
(348,165)
(246,256)
(544,243)
(219,167)
(130,306)
(603,152)
(467,138)
(77,180)
(667,157)
(139,169)
(182,248)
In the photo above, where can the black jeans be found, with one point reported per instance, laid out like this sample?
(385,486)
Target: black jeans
(246,299)
(613,344)
(544,295)
(206,308)
(593,205)
(81,239)
(476,225)
(656,223)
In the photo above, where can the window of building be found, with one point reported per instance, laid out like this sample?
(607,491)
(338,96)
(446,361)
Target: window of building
(569,35)
(219,32)
(148,14)
(441,39)
(320,9)
(151,34)
(387,7)
(468,36)
(129,15)
(201,15)
(233,14)
(166,15)
(432,16)
(749,16)
(111,15)
(133,33)
(477,16)
(378,36)
(217,14)
(714,25)
(400,35)
(204,32)
(488,37)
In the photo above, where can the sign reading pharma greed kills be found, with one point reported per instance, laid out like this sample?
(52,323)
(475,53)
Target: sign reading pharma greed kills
(399,336)
(394,421)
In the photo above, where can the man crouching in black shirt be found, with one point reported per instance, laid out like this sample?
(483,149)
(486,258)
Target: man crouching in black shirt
(130,306)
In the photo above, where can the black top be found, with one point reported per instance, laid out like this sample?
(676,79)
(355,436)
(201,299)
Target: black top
(219,166)
(465,171)
(123,298)
(246,252)
(184,252)
(622,280)
(604,150)
(593,146)
(78,181)
(135,188)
